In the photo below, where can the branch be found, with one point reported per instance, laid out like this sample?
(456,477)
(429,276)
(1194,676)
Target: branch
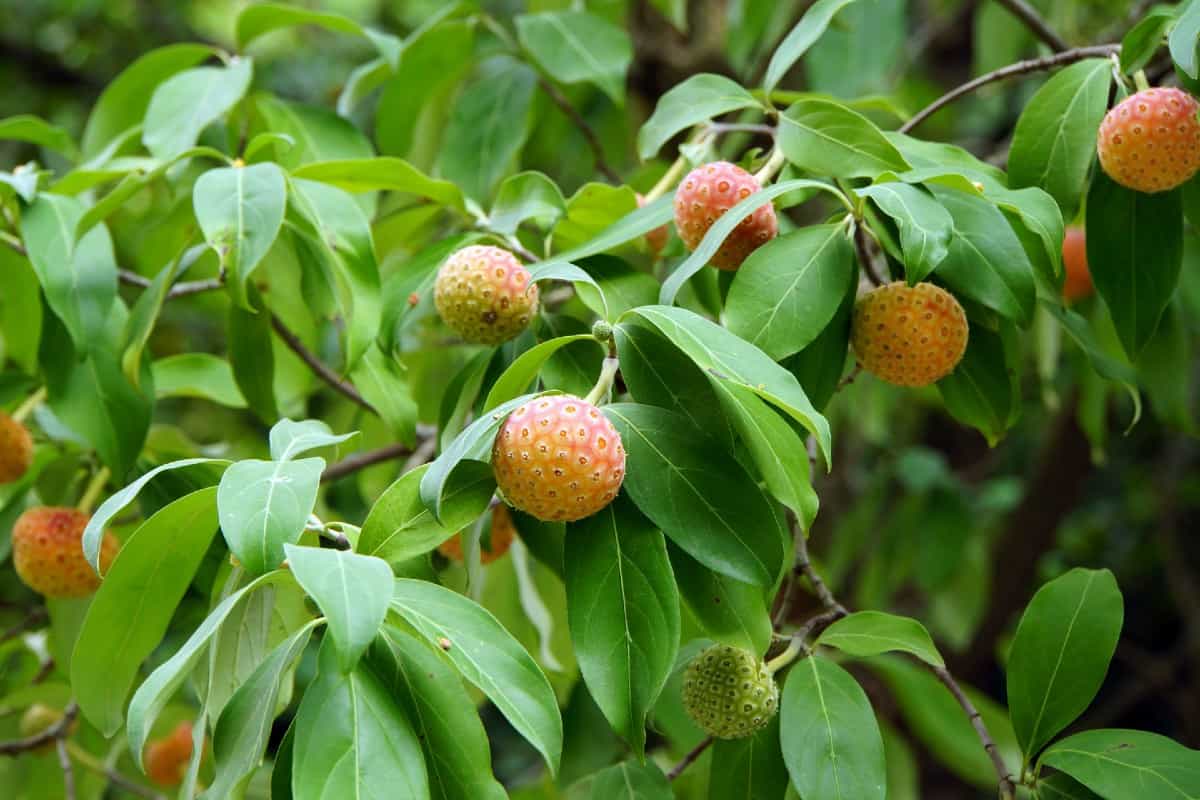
(1029,15)
(579,122)
(64,761)
(319,367)
(183,289)
(1007,789)
(864,255)
(1012,70)
(354,463)
(58,730)
(804,567)
(690,758)
(33,619)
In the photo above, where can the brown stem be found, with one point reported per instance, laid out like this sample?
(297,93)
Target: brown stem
(863,250)
(182,289)
(34,618)
(1012,70)
(64,761)
(1007,788)
(1029,15)
(354,463)
(559,99)
(804,567)
(690,758)
(319,368)
(58,730)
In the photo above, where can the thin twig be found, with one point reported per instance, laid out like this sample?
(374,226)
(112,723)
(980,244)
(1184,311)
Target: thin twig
(182,289)
(88,761)
(352,464)
(56,731)
(64,761)
(804,567)
(34,618)
(1012,70)
(864,255)
(559,99)
(318,366)
(1029,15)
(1007,788)
(690,758)
(850,378)
(423,453)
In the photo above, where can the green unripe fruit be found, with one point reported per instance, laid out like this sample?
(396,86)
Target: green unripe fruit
(729,692)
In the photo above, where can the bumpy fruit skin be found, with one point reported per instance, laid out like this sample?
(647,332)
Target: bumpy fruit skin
(1150,141)
(909,335)
(709,191)
(47,551)
(656,239)
(729,692)
(167,758)
(558,458)
(484,294)
(498,542)
(1078,283)
(16,449)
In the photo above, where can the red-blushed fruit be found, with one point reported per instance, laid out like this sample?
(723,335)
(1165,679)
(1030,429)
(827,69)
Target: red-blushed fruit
(47,549)
(1150,141)
(1078,283)
(16,449)
(499,540)
(656,239)
(166,759)
(558,458)
(484,294)
(909,335)
(709,191)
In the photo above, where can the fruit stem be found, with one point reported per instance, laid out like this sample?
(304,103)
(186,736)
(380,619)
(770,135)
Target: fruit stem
(795,647)
(773,165)
(92,493)
(33,401)
(90,762)
(667,181)
(1139,80)
(607,373)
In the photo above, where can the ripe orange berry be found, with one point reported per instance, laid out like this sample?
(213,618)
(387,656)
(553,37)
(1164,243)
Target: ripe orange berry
(709,191)
(16,449)
(1078,283)
(47,548)
(497,544)
(909,335)
(167,758)
(484,294)
(558,458)
(1150,141)
(657,238)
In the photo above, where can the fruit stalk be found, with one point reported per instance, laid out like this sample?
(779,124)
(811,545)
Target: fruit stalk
(94,488)
(32,402)
(607,372)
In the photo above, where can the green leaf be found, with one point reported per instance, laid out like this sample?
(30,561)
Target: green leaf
(261,18)
(197,375)
(1061,786)
(1061,652)
(488,126)
(925,226)
(712,348)
(986,262)
(352,739)
(831,742)
(264,505)
(289,438)
(318,133)
(984,389)
(806,33)
(630,780)
(864,52)
(400,526)
(521,374)
(787,290)
(622,285)
(488,656)
(130,613)
(819,367)
(869,633)
(826,138)
(78,279)
(560,271)
(698,495)
(1118,763)
(252,357)
(730,611)
(186,103)
(575,47)
(240,210)
(629,227)
(383,173)
(102,516)
(524,196)
(1143,40)
(352,592)
(21,311)
(699,98)
(150,698)
(1135,254)
(623,611)
(748,768)
(724,226)
(241,734)
(443,715)
(1185,38)
(380,379)
(474,444)
(1054,143)
(144,316)
(35,130)
(1104,364)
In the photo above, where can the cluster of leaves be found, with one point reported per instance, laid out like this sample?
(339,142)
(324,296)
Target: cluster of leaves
(314,242)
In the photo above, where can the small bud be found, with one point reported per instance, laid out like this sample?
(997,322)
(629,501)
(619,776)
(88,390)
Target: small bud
(238,163)
(978,186)
(444,643)
(413,299)
(602,331)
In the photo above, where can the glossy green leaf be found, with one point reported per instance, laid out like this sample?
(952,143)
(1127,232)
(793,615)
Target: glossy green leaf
(695,100)
(1185,39)
(252,357)
(831,742)
(870,633)
(197,375)
(818,368)
(1105,365)
(130,613)
(264,505)
(144,315)
(261,18)
(525,196)
(1060,653)
(623,611)
(807,31)
(983,390)
(520,375)
(488,656)
(728,610)
(1120,763)
(289,438)
(748,768)
(575,46)
(399,525)
(629,227)
(826,138)
(630,780)
(318,134)
(1144,39)
(925,226)
(1061,786)
(382,382)
(383,173)
(186,103)
(35,130)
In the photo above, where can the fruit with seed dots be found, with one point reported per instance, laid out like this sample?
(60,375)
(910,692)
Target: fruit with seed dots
(47,548)
(497,543)
(39,718)
(657,238)
(909,335)
(16,449)
(729,692)
(484,294)
(1150,141)
(558,458)
(166,759)
(709,191)
(1078,283)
